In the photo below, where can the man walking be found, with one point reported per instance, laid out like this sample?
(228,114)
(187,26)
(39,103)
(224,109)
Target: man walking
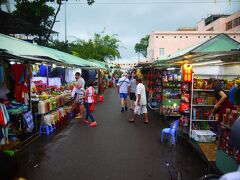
(123,86)
(141,102)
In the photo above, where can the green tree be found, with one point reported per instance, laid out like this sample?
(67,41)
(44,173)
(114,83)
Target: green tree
(141,47)
(102,47)
(60,45)
(39,15)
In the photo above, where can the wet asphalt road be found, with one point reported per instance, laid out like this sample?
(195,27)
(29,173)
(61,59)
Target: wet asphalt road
(114,150)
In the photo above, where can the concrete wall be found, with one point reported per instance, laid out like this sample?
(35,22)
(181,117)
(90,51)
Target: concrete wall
(178,40)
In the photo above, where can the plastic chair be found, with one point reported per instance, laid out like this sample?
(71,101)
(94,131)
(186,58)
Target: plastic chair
(171,131)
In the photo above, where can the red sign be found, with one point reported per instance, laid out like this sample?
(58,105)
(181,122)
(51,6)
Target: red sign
(187,73)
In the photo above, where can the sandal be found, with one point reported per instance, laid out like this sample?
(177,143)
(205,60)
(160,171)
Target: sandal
(131,121)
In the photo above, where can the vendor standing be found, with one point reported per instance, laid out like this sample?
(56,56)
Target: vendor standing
(222,100)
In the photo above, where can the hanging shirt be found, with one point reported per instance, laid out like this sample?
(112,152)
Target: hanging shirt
(17,70)
(90,95)
(231,94)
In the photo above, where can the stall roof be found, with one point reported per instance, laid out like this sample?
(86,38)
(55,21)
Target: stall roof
(219,47)
(100,64)
(68,58)
(23,49)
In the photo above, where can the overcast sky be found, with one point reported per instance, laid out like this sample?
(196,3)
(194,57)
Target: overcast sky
(133,21)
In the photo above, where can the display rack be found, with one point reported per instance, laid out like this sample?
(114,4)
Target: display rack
(171,92)
(203,106)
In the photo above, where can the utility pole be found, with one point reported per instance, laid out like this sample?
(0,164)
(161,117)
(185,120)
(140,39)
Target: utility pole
(65,21)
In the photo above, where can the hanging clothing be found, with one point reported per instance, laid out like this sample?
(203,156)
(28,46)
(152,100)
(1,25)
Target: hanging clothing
(231,94)
(69,75)
(237,96)
(43,70)
(2,74)
(18,71)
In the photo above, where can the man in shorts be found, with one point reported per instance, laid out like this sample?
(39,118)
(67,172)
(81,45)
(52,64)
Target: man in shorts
(133,86)
(141,102)
(123,86)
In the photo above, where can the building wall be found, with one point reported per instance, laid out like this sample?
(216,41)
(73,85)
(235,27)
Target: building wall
(220,24)
(174,41)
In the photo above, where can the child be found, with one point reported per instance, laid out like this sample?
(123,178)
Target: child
(78,94)
(89,101)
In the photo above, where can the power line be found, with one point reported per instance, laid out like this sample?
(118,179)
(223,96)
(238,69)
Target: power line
(161,2)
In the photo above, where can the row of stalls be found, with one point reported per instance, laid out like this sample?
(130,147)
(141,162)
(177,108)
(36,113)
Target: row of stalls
(35,85)
(177,87)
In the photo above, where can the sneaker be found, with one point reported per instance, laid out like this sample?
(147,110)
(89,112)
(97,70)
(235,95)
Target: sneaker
(122,110)
(85,121)
(126,108)
(93,124)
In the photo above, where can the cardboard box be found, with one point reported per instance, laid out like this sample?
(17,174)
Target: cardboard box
(203,136)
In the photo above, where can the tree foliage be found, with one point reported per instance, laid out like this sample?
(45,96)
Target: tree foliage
(101,47)
(39,16)
(37,13)
(141,47)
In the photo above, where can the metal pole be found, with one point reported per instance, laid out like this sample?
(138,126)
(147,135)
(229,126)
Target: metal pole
(65,21)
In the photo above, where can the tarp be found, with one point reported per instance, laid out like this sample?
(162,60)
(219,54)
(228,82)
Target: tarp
(222,44)
(68,58)
(100,64)
(20,48)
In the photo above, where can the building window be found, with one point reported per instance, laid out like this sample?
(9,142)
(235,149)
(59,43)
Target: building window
(162,36)
(229,25)
(180,36)
(236,22)
(234,37)
(161,51)
(175,36)
(186,36)
(210,36)
(198,36)
(156,36)
(204,36)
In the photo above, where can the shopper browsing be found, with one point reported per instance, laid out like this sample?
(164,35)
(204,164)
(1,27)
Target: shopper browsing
(79,79)
(89,102)
(133,86)
(222,100)
(78,94)
(141,102)
(123,86)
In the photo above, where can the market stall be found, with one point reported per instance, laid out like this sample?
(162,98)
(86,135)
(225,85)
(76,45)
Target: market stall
(217,58)
(35,86)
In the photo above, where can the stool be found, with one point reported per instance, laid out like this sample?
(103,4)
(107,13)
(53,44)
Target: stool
(45,129)
(101,98)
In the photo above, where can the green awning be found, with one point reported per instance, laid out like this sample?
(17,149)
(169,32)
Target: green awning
(220,46)
(20,48)
(68,58)
(100,64)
